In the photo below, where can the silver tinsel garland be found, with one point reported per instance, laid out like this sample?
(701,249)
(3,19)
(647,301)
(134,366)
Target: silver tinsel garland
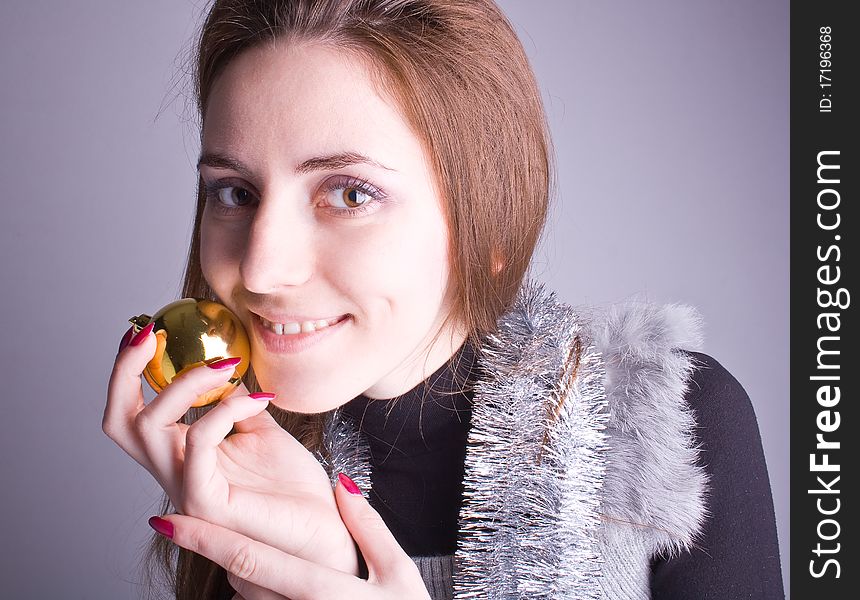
(345,452)
(534,461)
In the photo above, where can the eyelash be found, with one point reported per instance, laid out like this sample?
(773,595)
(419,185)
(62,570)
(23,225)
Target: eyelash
(377,196)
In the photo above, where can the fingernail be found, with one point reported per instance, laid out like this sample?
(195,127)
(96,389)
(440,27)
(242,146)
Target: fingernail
(349,484)
(262,396)
(142,335)
(162,526)
(225,363)
(125,339)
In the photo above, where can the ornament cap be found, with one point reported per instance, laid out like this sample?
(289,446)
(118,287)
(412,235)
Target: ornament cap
(140,322)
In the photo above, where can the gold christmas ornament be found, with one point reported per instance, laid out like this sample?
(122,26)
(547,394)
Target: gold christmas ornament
(192,332)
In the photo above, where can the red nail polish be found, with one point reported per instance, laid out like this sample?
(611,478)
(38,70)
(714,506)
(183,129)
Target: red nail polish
(225,363)
(142,335)
(162,526)
(125,339)
(262,396)
(349,484)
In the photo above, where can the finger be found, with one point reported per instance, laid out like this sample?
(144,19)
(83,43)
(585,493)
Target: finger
(261,421)
(125,401)
(384,557)
(204,436)
(259,563)
(125,339)
(245,590)
(175,400)
(125,394)
(256,422)
(157,424)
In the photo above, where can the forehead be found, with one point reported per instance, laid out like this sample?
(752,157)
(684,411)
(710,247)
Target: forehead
(302,98)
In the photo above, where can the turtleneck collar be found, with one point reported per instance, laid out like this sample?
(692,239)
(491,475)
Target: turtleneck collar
(417,445)
(418,420)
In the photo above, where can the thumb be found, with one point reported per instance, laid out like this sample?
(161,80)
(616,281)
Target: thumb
(385,558)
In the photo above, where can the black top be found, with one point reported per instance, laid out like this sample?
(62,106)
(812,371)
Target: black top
(418,447)
(417,452)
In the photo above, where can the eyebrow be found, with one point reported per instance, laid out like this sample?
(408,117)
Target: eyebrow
(330,162)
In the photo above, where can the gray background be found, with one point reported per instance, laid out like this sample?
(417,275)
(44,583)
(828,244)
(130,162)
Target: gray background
(670,120)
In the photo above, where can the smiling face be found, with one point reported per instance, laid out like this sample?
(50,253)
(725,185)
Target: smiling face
(322,216)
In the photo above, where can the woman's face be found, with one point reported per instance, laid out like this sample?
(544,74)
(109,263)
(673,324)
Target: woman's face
(322,216)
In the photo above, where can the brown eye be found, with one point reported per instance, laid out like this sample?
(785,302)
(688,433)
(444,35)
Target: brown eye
(234,196)
(354,197)
(351,197)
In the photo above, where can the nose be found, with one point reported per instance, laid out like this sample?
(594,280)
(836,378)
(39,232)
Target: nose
(279,252)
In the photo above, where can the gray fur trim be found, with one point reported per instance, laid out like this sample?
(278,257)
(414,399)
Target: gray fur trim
(654,480)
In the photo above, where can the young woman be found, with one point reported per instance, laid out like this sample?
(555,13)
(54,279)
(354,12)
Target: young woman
(374,178)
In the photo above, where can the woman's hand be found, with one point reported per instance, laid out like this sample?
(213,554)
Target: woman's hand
(260,481)
(258,571)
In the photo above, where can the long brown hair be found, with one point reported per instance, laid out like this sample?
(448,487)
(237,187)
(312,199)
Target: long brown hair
(459,75)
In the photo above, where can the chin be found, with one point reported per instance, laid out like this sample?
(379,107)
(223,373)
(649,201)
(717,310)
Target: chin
(306,397)
(302,406)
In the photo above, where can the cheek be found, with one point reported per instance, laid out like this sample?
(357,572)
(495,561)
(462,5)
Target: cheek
(400,268)
(217,256)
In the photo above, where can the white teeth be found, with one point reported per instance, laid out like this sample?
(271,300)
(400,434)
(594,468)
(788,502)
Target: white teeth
(294,328)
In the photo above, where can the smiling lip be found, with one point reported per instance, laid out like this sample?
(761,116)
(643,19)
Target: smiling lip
(291,344)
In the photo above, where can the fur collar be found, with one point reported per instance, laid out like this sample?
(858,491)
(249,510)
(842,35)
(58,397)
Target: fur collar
(579,427)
